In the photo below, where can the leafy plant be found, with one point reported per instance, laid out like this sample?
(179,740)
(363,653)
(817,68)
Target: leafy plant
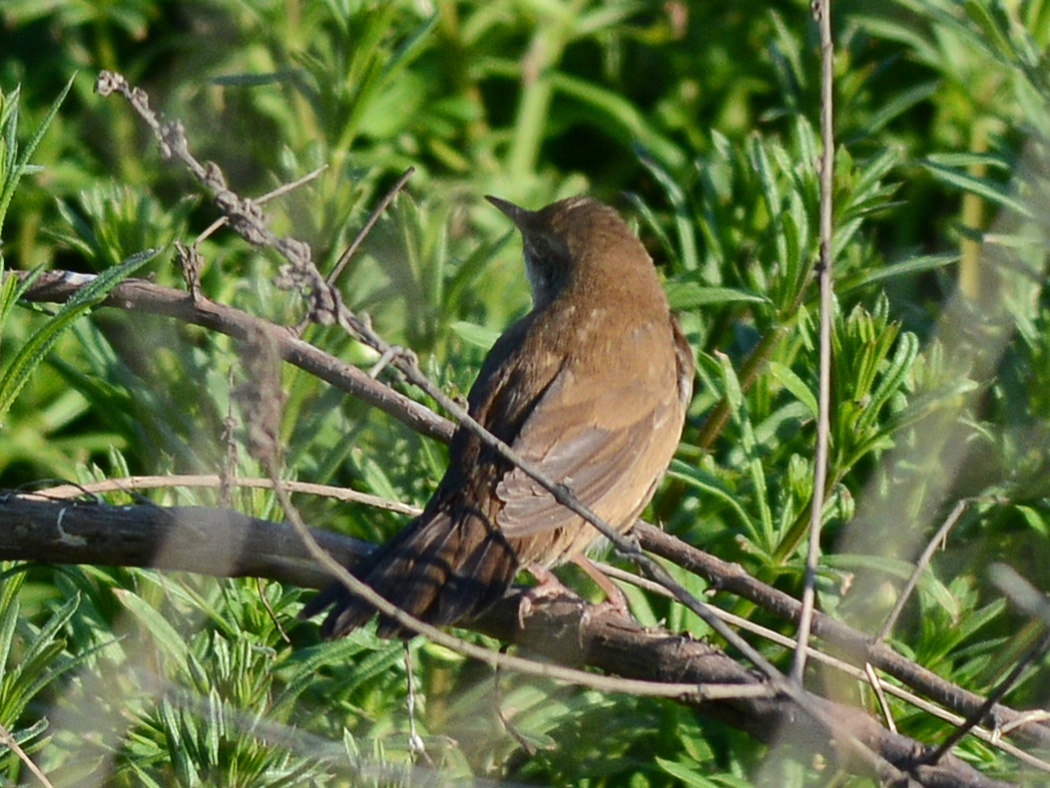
(704,115)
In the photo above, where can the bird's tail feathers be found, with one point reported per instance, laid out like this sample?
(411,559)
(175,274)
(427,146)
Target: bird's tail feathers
(440,571)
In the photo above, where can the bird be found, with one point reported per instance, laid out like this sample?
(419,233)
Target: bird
(591,386)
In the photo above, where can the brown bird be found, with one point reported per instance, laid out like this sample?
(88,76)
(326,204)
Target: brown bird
(591,386)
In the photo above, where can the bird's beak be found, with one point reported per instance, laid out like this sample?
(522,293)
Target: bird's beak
(515,213)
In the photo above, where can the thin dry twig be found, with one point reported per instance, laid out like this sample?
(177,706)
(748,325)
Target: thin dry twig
(143,297)
(994,697)
(260,588)
(283,189)
(876,687)
(373,217)
(822,9)
(416,745)
(126,483)
(1033,602)
(854,645)
(497,702)
(938,540)
(11,743)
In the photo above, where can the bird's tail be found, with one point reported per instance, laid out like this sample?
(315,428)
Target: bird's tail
(439,569)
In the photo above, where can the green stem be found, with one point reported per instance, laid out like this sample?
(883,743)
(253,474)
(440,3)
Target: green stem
(719,415)
(545,51)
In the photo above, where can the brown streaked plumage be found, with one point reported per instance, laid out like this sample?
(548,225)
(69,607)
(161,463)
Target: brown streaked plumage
(591,386)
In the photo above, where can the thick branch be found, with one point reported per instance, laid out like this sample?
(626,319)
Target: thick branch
(223,543)
(199,539)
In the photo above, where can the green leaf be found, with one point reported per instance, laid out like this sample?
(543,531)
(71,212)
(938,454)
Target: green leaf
(49,632)
(900,104)
(618,113)
(683,296)
(684,221)
(705,482)
(915,265)
(12,177)
(983,187)
(982,17)
(170,642)
(685,774)
(480,336)
(40,343)
(793,383)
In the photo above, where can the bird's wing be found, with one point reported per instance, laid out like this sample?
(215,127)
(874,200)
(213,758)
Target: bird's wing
(609,442)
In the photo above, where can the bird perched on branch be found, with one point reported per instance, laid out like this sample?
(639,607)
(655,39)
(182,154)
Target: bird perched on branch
(591,387)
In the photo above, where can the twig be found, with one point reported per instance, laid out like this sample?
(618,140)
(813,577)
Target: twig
(920,567)
(822,9)
(141,296)
(416,745)
(854,645)
(876,686)
(11,743)
(121,484)
(284,188)
(373,217)
(229,457)
(261,589)
(344,258)
(867,673)
(1032,601)
(497,702)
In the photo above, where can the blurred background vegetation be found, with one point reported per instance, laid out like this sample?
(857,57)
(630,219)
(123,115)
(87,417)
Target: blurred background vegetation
(698,121)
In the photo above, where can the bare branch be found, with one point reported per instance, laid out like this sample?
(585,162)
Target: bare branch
(140,296)
(822,9)
(564,628)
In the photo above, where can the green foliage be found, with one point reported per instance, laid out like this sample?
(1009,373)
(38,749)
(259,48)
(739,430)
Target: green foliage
(31,659)
(35,350)
(704,116)
(14,163)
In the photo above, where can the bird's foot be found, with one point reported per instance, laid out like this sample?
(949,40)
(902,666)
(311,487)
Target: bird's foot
(614,597)
(547,586)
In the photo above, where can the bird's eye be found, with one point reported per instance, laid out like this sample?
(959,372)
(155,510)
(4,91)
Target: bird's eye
(542,251)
